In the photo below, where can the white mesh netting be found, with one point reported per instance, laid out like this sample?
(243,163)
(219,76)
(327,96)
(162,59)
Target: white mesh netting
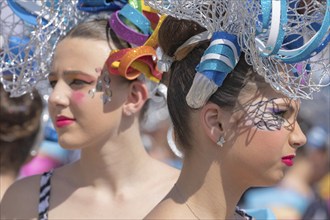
(29,34)
(286,41)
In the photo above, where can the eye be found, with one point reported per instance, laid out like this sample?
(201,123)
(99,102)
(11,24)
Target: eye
(279,112)
(78,82)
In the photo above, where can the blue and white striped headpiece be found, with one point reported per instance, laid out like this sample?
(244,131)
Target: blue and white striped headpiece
(219,59)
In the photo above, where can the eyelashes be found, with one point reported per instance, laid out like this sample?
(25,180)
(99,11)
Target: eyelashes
(75,83)
(79,82)
(269,121)
(278,112)
(267,118)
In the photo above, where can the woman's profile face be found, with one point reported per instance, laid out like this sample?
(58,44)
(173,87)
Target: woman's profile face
(80,117)
(265,138)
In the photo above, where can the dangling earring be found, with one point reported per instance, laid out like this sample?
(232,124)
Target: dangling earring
(221,141)
(107,90)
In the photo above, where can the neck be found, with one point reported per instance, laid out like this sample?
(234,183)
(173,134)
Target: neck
(209,190)
(299,177)
(119,162)
(6,179)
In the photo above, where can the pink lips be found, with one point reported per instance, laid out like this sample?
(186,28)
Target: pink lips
(63,121)
(288,160)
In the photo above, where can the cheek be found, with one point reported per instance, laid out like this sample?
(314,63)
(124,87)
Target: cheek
(78,97)
(260,142)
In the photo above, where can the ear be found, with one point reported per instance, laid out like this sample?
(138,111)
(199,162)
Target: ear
(137,96)
(212,119)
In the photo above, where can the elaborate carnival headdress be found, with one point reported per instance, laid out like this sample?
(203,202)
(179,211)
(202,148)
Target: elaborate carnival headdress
(30,31)
(286,41)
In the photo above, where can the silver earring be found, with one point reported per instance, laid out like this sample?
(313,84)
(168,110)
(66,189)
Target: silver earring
(221,141)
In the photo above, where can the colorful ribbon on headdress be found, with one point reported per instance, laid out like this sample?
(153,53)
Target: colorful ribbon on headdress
(132,62)
(93,6)
(27,11)
(131,25)
(138,32)
(275,13)
(278,10)
(219,59)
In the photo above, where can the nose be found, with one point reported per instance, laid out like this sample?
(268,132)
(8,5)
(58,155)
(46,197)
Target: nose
(297,137)
(59,96)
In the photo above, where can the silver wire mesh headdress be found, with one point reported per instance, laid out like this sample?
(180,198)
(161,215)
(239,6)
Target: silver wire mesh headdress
(286,41)
(30,31)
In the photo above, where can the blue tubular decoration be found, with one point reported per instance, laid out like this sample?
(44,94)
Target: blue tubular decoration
(136,18)
(94,6)
(218,60)
(313,46)
(222,49)
(23,14)
(214,63)
(229,40)
(297,51)
(266,11)
(96,2)
(321,47)
(273,46)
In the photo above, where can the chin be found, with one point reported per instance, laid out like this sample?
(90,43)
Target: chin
(271,180)
(68,145)
(275,179)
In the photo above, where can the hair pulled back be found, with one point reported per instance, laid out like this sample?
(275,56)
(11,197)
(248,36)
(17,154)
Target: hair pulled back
(172,34)
(97,29)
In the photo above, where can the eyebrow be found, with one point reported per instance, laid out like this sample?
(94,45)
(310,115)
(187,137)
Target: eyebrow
(283,105)
(71,72)
(278,104)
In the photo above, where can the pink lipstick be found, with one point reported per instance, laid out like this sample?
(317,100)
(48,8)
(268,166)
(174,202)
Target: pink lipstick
(288,160)
(62,121)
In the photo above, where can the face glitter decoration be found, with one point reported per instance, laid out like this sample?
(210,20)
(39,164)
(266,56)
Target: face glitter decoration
(106,97)
(269,114)
(102,85)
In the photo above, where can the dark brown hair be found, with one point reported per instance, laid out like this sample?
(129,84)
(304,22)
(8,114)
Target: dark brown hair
(97,29)
(20,120)
(172,34)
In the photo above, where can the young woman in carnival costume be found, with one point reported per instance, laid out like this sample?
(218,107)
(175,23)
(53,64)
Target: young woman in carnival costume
(96,105)
(236,124)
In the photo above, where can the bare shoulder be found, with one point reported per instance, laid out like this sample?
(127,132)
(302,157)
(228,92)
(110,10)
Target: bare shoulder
(169,209)
(21,199)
